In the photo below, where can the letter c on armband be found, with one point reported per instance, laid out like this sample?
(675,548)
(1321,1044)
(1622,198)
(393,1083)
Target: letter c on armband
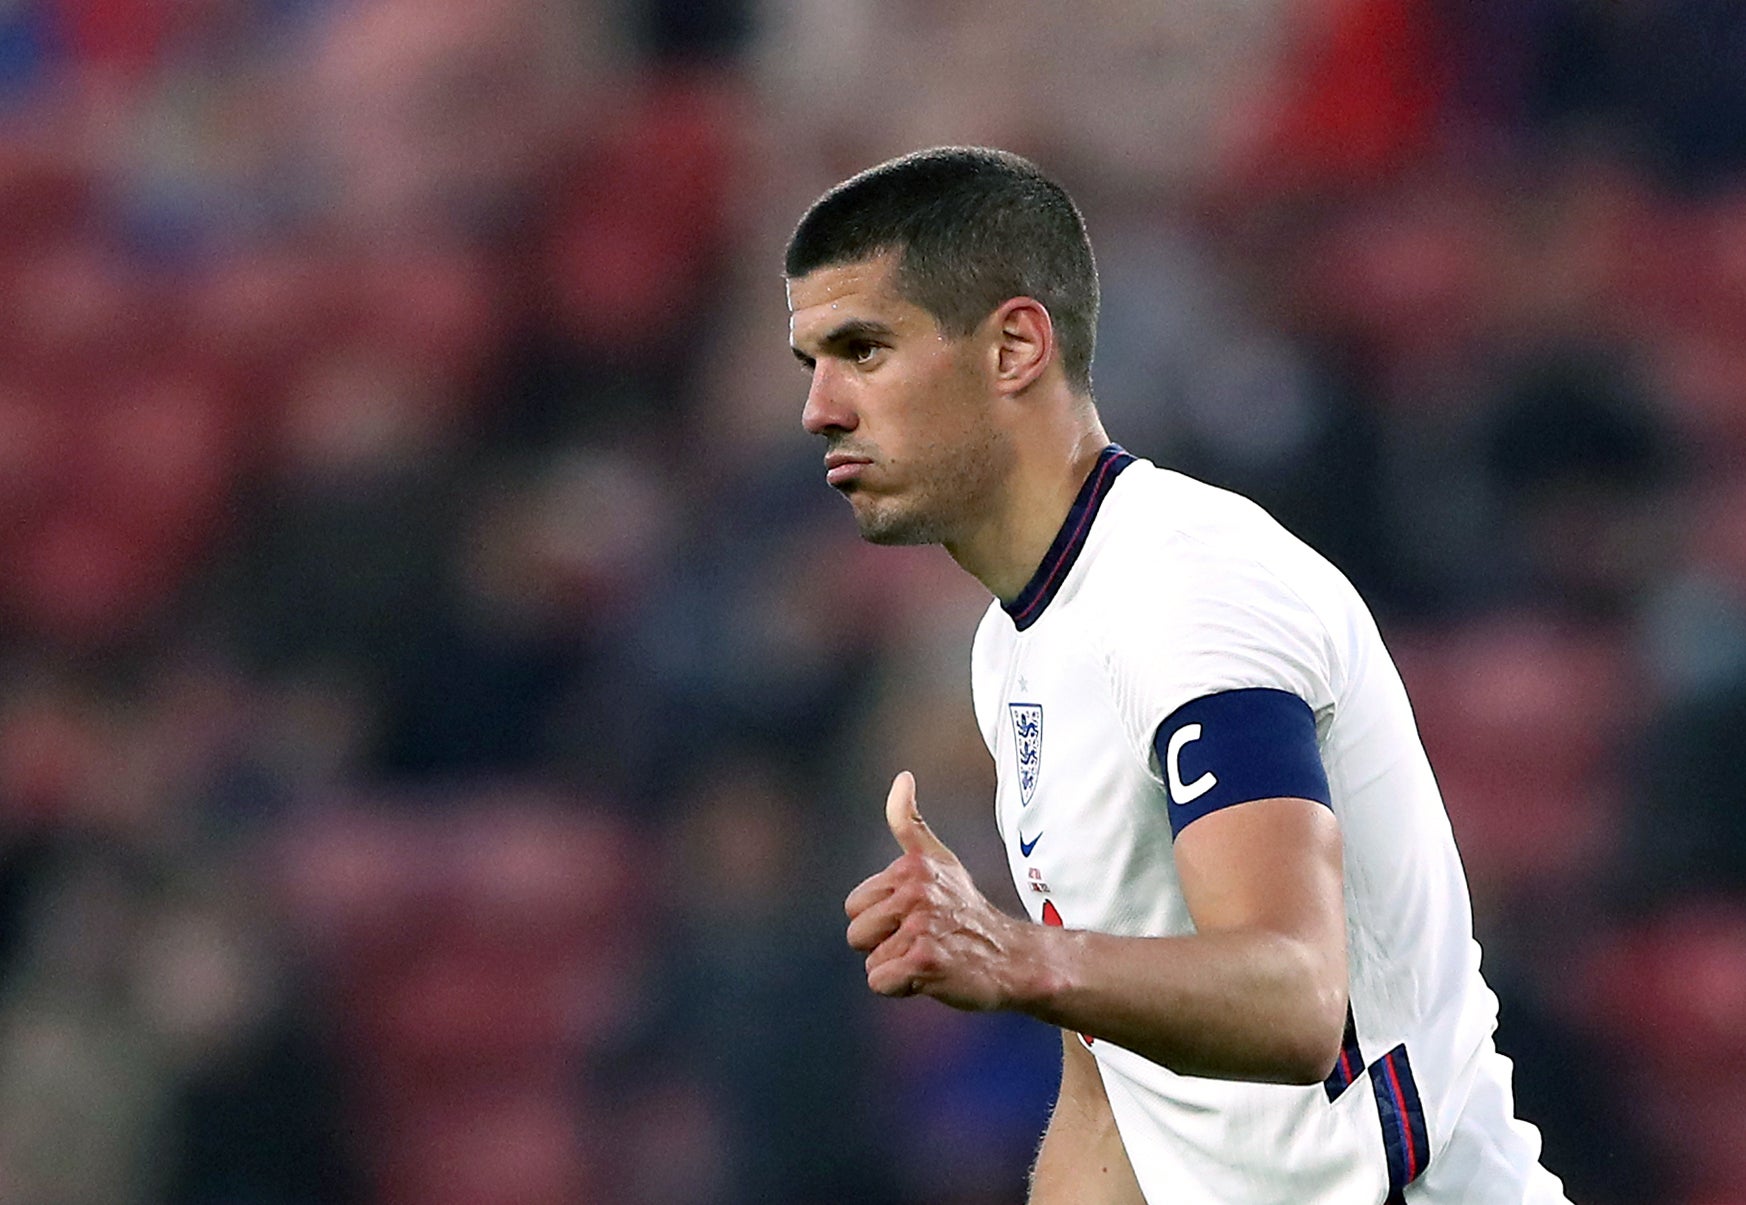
(1179,793)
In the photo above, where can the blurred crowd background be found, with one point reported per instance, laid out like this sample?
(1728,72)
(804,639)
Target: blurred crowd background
(442,707)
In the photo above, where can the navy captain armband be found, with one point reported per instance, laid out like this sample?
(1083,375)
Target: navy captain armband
(1241,745)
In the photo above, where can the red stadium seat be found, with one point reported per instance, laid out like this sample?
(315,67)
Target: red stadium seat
(475,951)
(1671,991)
(1520,718)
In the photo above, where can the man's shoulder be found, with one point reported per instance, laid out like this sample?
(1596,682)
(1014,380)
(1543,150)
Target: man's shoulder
(1153,506)
(1204,584)
(1197,590)
(1171,537)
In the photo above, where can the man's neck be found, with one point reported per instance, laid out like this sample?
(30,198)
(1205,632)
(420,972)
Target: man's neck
(1004,552)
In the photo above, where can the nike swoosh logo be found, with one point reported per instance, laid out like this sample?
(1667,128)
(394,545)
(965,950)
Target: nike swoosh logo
(1025,847)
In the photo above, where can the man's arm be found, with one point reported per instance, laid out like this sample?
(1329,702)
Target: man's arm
(1258,992)
(1082,1160)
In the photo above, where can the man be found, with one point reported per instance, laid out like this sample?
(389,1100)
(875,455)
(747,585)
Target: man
(1255,933)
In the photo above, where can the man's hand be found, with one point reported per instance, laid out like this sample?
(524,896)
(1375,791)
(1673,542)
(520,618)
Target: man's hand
(926,929)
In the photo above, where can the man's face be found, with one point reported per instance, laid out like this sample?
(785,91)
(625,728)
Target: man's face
(903,407)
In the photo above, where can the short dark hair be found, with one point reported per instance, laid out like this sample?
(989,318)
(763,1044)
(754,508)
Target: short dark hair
(972,228)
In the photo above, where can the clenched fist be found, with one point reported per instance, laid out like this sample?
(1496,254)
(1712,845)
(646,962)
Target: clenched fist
(927,930)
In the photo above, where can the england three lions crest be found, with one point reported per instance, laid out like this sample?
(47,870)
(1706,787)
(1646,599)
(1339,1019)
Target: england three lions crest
(1027,731)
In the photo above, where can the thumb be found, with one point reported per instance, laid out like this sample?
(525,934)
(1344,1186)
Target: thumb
(905,820)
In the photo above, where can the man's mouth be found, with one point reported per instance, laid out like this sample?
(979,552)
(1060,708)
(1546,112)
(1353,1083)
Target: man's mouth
(843,467)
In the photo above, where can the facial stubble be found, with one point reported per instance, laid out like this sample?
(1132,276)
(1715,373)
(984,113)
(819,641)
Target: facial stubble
(955,488)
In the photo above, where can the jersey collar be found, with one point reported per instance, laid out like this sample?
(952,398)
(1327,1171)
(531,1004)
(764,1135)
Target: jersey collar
(1028,607)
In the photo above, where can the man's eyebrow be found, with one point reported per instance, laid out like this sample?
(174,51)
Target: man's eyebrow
(848,332)
(856,328)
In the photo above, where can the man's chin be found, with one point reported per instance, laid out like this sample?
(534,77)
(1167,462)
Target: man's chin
(895,537)
(878,525)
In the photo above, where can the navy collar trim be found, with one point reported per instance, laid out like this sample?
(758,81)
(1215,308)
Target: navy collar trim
(1028,607)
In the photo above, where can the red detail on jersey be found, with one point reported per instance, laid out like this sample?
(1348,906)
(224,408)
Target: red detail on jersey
(1406,1125)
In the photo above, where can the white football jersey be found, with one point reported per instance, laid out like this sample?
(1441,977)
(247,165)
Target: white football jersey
(1161,591)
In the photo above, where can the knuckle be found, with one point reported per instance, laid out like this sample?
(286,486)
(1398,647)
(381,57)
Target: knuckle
(916,926)
(909,898)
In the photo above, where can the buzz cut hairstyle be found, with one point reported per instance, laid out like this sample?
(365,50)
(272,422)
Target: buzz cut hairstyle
(972,228)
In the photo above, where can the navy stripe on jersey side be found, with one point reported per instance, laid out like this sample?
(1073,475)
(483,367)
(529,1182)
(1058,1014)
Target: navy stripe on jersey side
(1045,583)
(1351,1063)
(1404,1138)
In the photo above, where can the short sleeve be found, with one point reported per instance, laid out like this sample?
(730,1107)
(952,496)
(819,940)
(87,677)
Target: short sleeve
(1203,622)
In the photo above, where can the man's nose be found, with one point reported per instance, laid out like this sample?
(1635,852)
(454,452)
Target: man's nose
(825,408)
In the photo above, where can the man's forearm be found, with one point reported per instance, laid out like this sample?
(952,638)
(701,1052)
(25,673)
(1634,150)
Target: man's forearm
(1248,1004)
(1257,993)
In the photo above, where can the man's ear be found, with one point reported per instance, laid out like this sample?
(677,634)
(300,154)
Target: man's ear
(1024,343)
